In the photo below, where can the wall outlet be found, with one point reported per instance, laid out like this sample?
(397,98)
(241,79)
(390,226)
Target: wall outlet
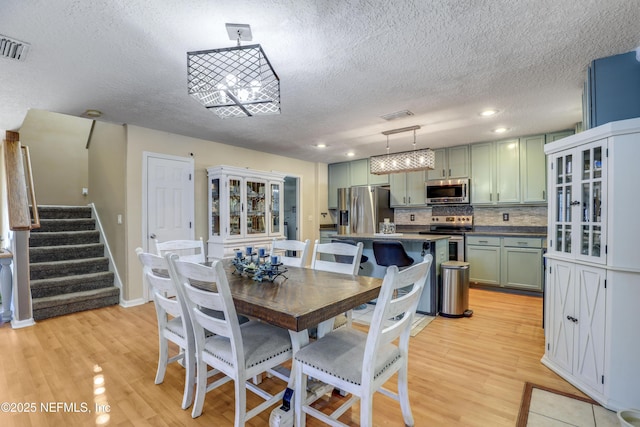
(505,217)
(119,219)
(85,191)
(412,217)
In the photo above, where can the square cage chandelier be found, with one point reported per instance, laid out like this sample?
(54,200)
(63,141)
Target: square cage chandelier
(235,81)
(405,161)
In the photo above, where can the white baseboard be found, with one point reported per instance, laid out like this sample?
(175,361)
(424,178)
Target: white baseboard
(132,303)
(17,324)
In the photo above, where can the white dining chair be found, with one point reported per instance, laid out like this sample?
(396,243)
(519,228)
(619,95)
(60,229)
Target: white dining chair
(283,249)
(240,352)
(324,253)
(361,363)
(187,250)
(174,322)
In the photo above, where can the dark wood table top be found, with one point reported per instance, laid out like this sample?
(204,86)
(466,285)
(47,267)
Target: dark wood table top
(302,300)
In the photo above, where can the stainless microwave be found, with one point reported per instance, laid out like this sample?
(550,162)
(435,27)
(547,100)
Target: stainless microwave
(447,191)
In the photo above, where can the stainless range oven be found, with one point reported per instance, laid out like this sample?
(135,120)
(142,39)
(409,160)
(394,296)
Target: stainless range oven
(455,226)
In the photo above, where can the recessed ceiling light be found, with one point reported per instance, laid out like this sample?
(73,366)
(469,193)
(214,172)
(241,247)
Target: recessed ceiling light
(94,114)
(488,113)
(500,130)
(321,145)
(351,154)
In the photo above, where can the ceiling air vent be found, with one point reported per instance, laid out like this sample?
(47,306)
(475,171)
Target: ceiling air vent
(397,115)
(13,49)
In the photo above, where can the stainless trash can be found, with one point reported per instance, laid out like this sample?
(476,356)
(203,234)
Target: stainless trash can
(455,289)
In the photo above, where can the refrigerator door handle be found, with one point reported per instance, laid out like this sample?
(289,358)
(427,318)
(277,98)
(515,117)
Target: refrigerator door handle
(354,216)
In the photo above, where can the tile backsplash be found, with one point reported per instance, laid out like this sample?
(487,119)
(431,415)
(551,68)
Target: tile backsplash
(482,216)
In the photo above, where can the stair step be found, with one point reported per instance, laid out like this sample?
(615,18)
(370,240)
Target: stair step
(41,288)
(65,252)
(44,308)
(52,225)
(64,212)
(64,238)
(43,270)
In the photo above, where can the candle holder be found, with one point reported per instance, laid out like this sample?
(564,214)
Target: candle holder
(261,270)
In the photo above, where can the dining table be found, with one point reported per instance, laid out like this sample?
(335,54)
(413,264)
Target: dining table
(299,299)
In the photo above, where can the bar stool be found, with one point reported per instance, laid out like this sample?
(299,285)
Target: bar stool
(347,259)
(391,252)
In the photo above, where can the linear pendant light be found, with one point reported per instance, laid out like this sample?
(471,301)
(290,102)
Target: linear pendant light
(406,161)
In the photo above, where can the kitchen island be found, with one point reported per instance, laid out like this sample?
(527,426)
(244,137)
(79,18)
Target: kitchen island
(416,245)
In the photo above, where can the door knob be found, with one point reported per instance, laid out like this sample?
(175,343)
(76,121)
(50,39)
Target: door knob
(153,236)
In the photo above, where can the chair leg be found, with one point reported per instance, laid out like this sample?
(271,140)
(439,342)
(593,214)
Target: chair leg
(366,408)
(189,380)
(241,401)
(163,357)
(300,395)
(403,395)
(201,388)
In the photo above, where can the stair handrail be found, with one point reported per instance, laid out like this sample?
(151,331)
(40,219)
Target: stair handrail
(17,159)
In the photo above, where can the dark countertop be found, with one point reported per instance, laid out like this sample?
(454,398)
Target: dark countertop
(397,236)
(536,232)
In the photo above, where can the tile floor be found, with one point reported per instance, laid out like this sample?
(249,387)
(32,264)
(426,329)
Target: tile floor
(551,410)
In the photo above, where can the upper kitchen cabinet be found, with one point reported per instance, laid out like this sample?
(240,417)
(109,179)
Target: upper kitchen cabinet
(509,171)
(245,209)
(408,189)
(338,178)
(611,90)
(452,162)
(350,174)
(495,172)
(532,168)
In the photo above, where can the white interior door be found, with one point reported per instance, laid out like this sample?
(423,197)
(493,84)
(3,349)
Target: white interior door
(169,198)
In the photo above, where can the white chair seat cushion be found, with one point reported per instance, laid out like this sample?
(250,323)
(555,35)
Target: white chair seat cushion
(341,352)
(175,326)
(261,342)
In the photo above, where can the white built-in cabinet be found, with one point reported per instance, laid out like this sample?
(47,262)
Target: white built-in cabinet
(245,209)
(592,290)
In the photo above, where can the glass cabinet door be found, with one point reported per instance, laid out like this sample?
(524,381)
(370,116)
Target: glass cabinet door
(563,184)
(578,206)
(215,207)
(591,201)
(275,207)
(235,206)
(256,207)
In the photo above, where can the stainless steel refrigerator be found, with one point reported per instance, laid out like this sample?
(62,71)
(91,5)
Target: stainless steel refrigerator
(361,209)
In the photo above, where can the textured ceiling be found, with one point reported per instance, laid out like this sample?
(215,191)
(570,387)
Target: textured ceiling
(342,65)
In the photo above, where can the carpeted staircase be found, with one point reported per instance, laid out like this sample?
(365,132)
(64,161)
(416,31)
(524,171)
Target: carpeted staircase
(69,270)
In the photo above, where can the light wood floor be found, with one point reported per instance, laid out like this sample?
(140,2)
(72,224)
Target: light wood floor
(463,372)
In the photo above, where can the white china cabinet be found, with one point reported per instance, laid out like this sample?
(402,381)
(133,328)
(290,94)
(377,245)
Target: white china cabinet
(245,209)
(592,291)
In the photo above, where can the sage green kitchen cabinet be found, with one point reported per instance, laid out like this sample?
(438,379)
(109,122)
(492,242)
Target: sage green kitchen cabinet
(407,189)
(551,137)
(483,256)
(359,172)
(482,173)
(508,171)
(533,169)
(521,263)
(338,178)
(351,174)
(450,163)
(506,262)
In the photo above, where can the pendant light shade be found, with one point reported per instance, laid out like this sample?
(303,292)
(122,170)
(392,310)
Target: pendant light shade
(406,161)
